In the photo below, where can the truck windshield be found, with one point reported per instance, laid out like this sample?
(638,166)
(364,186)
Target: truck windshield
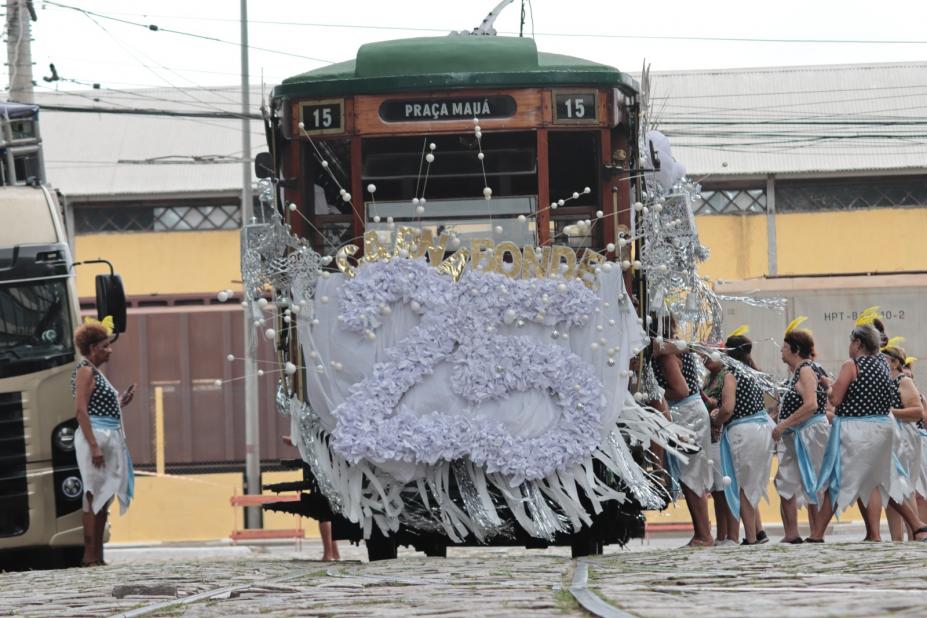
(35,326)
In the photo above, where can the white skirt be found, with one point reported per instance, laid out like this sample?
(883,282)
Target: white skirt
(908,450)
(696,474)
(866,463)
(788,478)
(751,452)
(110,480)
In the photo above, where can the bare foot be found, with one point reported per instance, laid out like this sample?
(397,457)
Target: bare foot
(696,542)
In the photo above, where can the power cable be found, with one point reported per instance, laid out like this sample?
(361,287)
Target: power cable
(156,28)
(550,34)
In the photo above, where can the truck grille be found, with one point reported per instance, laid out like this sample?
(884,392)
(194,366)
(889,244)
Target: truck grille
(14,499)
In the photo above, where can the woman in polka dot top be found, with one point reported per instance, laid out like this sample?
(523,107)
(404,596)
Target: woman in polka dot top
(859,464)
(675,371)
(100,445)
(802,431)
(746,442)
(908,411)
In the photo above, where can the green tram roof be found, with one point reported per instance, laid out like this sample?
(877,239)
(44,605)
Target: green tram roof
(452,62)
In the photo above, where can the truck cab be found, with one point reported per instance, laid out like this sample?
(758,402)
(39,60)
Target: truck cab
(40,484)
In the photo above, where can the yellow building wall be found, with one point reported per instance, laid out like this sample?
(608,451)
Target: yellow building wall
(834,242)
(882,240)
(163,262)
(194,508)
(738,245)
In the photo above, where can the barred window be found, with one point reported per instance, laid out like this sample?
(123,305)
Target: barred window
(197,218)
(842,194)
(731,201)
(94,220)
(161,218)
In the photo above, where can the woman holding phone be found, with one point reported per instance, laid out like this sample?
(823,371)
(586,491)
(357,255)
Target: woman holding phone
(100,445)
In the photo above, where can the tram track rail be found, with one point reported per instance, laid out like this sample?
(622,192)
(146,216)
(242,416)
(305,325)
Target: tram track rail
(220,593)
(587,598)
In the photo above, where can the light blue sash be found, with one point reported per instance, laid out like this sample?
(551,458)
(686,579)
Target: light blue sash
(108,422)
(809,479)
(672,469)
(829,476)
(732,490)
(684,400)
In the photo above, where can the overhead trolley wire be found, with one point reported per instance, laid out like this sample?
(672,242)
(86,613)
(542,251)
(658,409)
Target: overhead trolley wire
(156,28)
(551,34)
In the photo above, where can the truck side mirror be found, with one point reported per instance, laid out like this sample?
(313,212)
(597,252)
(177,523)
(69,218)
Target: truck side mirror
(111,300)
(263,165)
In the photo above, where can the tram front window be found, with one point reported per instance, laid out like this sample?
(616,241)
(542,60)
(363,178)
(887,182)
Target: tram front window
(453,184)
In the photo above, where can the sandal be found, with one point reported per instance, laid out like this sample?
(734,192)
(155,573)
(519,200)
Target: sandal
(796,541)
(921,530)
(810,540)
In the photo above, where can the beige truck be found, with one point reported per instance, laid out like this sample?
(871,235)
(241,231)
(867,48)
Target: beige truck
(40,485)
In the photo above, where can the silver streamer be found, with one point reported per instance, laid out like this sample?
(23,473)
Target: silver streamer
(313,439)
(282,398)
(775,304)
(768,384)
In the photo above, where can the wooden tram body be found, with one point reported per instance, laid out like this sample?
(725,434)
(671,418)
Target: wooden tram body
(552,126)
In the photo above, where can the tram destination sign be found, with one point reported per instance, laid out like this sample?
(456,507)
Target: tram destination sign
(462,108)
(575,107)
(320,117)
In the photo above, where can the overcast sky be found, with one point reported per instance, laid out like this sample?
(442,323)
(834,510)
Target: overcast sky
(119,55)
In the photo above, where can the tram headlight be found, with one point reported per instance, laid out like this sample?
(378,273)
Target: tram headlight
(72,487)
(64,438)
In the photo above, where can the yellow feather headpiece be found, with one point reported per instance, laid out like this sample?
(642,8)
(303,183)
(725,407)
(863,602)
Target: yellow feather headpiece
(106,322)
(894,342)
(795,323)
(910,360)
(868,316)
(741,330)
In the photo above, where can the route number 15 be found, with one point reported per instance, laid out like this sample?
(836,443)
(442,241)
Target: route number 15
(323,117)
(575,107)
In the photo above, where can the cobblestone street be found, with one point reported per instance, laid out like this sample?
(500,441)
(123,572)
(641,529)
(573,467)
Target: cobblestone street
(836,579)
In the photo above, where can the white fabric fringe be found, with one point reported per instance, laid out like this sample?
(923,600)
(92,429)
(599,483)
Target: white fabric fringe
(368,495)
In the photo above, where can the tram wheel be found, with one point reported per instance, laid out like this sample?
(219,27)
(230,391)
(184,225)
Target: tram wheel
(380,547)
(436,550)
(585,543)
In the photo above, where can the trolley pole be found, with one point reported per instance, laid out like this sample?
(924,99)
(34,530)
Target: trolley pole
(19,17)
(252,424)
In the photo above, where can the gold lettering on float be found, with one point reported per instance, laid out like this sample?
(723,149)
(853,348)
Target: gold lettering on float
(535,263)
(505,258)
(436,250)
(562,253)
(509,269)
(477,249)
(587,266)
(406,240)
(344,264)
(454,265)
(374,251)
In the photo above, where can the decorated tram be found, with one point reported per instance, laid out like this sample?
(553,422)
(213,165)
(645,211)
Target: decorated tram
(458,294)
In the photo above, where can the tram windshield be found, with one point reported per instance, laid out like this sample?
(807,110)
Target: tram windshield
(453,184)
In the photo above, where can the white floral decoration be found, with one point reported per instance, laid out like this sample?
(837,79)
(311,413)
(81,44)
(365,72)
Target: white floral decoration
(371,423)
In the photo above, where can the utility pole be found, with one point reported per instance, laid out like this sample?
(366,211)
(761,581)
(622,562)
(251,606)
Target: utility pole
(252,422)
(19,17)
